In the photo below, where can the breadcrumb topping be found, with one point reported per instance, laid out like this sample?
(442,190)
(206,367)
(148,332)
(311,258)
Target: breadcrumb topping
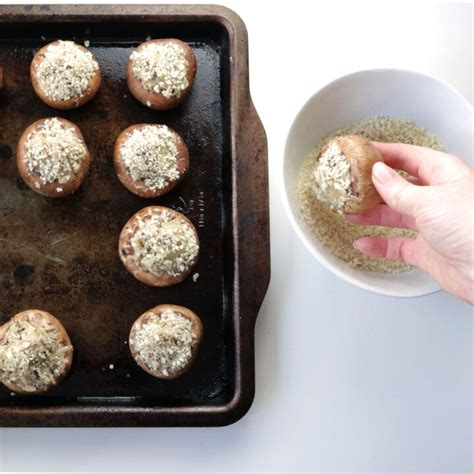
(164,342)
(65,71)
(164,245)
(161,68)
(151,155)
(54,152)
(32,354)
(332,177)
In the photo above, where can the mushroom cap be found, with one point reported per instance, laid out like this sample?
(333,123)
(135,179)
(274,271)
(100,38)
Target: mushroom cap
(156,100)
(64,104)
(53,189)
(127,253)
(362,156)
(139,187)
(62,336)
(185,312)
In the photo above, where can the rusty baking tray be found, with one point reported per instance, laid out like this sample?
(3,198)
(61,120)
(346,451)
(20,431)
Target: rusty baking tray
(60,255)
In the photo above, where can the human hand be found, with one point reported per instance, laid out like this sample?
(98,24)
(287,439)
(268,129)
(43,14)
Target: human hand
(438,204)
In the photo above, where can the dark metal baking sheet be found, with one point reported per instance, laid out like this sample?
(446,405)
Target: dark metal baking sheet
(60,255)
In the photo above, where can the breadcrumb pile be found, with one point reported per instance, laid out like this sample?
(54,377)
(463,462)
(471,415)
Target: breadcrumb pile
(65,71)
(32,354)
(164,245)
(161,68)
(151,155)
(54,152)
(164,342)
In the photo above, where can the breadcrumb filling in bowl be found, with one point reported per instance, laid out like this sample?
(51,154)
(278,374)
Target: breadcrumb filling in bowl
(161,68)
(331,228)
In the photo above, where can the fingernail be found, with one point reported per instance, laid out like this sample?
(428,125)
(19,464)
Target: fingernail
(381,172)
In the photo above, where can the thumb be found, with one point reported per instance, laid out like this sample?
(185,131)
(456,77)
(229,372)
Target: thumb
(396,191)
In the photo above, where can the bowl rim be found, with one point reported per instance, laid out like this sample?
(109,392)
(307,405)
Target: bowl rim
(415,293)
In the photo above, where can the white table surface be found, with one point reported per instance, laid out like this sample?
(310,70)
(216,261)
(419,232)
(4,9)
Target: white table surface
(346,380)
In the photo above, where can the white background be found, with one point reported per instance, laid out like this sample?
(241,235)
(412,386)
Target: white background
(346,380)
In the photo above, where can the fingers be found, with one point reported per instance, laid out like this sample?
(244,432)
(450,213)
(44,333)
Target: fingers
(384,216)
(413,180)
(410,251)
(397,192)
(418,253)
(431,166)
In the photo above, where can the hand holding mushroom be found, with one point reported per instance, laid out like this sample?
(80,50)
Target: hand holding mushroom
(343,173)
(439,207)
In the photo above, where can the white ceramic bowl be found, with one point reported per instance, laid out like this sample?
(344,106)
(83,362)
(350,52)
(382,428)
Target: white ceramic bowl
(427,101)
